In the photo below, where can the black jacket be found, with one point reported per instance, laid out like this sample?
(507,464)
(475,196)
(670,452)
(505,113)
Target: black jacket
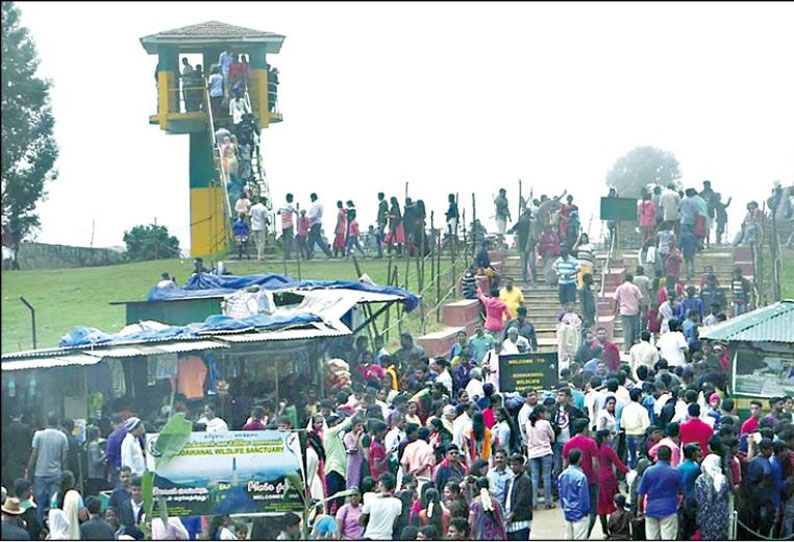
(521,497)
(573,413)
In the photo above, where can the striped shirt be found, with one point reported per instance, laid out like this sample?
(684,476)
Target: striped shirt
(566,270)
(586,255)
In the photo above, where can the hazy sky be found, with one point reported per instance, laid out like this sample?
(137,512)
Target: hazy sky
(450,97)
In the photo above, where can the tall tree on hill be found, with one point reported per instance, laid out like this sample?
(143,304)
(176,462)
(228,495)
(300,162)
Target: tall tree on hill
(641,166)
(29,150)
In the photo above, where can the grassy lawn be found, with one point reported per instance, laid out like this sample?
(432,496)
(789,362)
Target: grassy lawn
(64,298)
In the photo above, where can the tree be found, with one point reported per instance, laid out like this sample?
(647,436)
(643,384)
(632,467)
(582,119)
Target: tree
(640,167)
(150,242)
(29,150)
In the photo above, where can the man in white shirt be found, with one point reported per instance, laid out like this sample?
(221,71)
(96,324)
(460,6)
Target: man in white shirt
(315,217)
(131,452)
(474,388)
(259,227)
(673,345)
(395,435)
(213,423)
(462,423)
(670,202)
(514,343)
(166,282)
(530,401)
(593,400)
(380,514)
(287,212)
(643,353)
(441,367)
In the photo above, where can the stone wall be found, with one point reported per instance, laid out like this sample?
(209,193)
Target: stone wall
(44,256)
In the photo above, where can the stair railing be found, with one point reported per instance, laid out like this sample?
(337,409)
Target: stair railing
(216,150)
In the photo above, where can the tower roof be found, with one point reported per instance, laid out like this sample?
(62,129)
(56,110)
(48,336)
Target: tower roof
(191,38)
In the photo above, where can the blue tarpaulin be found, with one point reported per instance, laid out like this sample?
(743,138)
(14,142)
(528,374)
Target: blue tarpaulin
(88,336)
(209,285)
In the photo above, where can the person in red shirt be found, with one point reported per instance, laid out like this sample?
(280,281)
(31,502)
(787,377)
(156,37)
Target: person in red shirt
(750,425)
(589,462)
(696,430)
(611,354)
(494,309)
(378,459)
(258,421)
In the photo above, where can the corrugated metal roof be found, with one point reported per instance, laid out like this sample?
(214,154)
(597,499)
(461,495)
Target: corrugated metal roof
(124,351)
(773,323)
(284,335)
(50,361)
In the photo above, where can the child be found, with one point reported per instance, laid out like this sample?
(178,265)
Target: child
(704,278)
(672,263)
(690,302)
(711,319)
(353,233)
(468,284)
(619,520)
(241,231)
(303,232)
(588,302)
(742,292)
(669,283)
(722,215)
(653,322)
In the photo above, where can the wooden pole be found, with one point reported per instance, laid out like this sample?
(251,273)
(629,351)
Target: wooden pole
(372,327)
(434,250)
(519,200)
(298,207)
(438,280)
(474,223)
(388,312)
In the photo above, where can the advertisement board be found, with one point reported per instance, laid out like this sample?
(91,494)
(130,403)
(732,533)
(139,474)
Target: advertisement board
(233,472)
(530,371)
(619,209)
(763,374)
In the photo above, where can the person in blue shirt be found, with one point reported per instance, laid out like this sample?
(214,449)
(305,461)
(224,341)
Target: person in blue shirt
(692,302)
(241,231)
(778,448)
(759,488)
(575,497)
(689,470)
(662,484)
(690,326)
(458,346)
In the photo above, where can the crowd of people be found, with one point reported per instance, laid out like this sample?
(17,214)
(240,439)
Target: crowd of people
(648,444)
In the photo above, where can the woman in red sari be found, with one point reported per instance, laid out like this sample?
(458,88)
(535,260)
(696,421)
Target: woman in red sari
(340,241)
(607,479)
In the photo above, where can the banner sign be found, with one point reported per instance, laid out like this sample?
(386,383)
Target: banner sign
(530,371)
(762,374)
(233,472)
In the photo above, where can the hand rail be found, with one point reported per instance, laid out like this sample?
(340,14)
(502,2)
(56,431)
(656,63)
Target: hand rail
(217,148)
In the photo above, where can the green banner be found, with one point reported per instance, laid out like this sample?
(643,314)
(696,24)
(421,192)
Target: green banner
(232,472)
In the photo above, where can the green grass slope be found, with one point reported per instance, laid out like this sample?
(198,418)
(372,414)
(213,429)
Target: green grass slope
(64,298)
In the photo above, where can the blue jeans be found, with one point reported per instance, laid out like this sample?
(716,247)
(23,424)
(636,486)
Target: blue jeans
(44,487)
(538,464)
(521,534)
(557,448)
(633,444)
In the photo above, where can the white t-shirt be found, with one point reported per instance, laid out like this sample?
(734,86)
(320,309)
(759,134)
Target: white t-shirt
(382,512)
(671,346)
(258,216)
(214,425)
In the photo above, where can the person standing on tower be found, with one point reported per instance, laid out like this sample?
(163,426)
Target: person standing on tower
(225,62)
(215,85)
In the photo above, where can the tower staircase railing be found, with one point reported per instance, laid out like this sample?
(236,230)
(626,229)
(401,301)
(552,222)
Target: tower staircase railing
(217,157)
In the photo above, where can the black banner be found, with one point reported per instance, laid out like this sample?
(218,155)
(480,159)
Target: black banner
(523,372)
